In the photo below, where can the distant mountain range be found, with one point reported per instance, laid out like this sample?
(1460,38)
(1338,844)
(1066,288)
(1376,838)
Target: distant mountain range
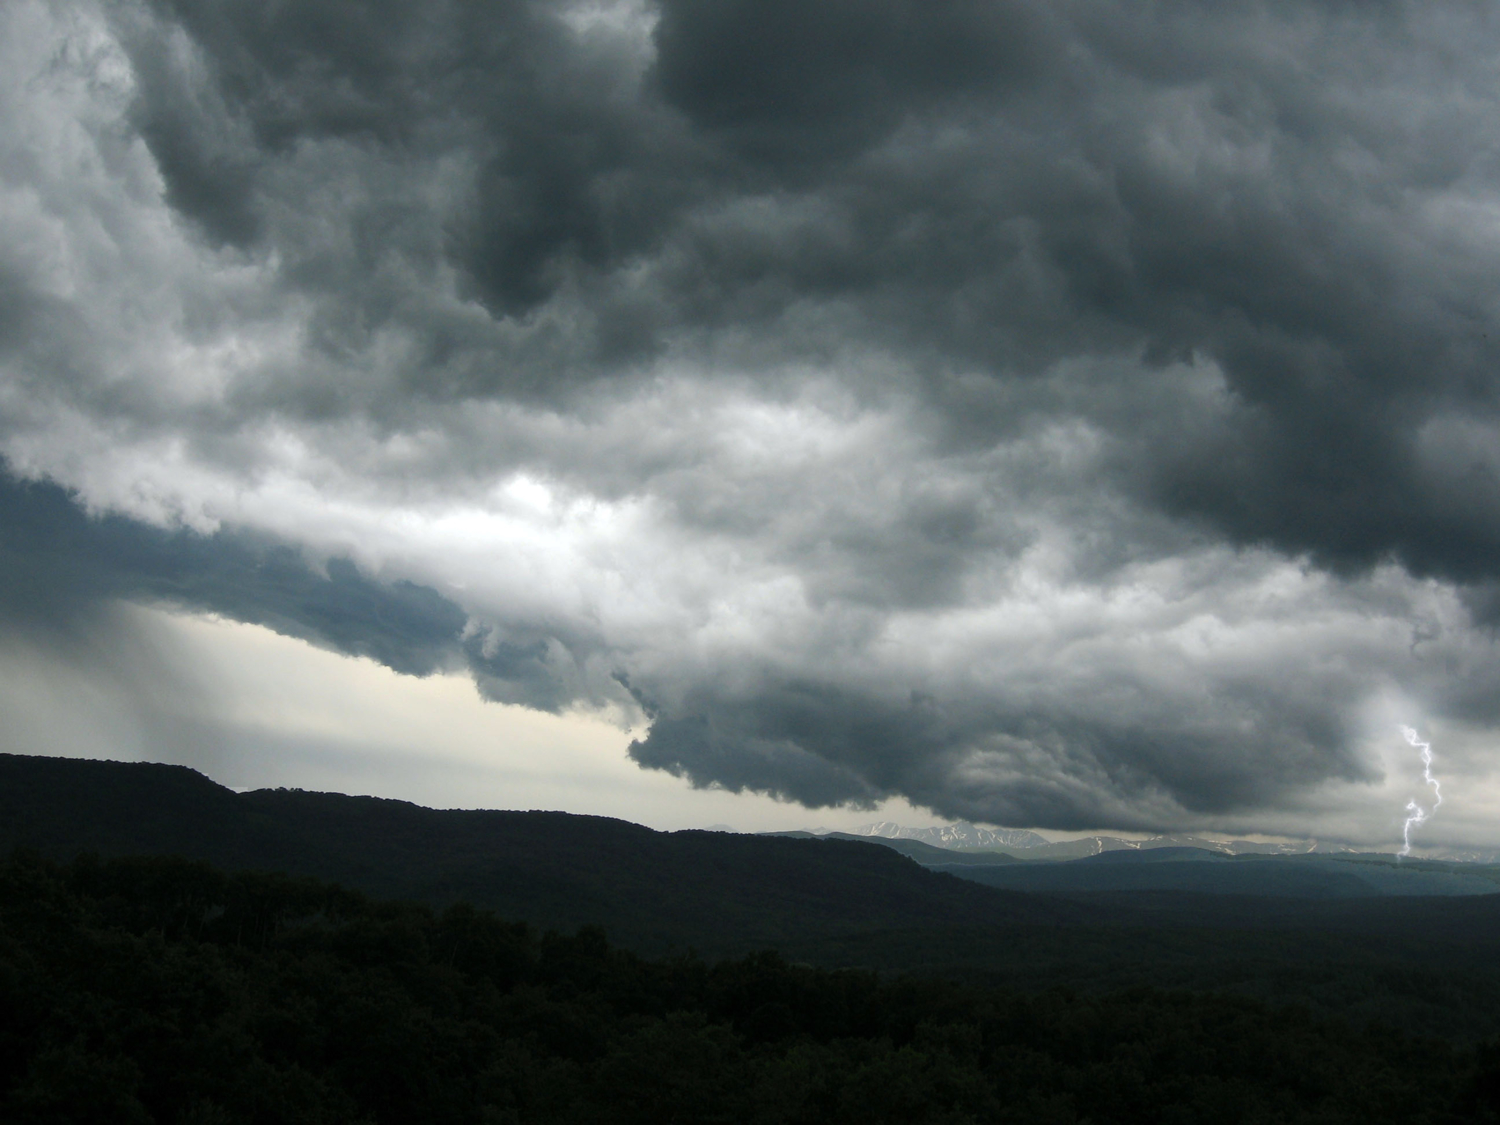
(1105,865)
(1025,844)
(960,835)
(1198,870)
(1126,913)
(716,892)
(1097,845)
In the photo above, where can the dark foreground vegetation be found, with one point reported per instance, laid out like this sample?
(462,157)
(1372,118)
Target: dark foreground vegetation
(162,990)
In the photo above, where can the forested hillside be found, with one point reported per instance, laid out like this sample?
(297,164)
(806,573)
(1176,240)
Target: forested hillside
(1431,965)
(655,891)
(159,990)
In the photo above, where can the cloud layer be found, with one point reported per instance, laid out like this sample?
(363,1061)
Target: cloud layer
(1072,415)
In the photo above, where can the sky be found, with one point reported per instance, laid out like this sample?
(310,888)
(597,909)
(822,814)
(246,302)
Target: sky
(1076,415)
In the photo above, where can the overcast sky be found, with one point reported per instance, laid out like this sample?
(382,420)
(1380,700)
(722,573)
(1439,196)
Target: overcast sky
(1062,415)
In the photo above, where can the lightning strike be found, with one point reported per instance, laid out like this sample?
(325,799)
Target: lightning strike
(1416,815)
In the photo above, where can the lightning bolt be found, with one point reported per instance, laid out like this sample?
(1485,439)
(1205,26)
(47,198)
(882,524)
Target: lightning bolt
(1416,815)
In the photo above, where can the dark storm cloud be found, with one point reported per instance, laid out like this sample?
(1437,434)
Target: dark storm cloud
(1049,412)
(986,180)
(58,565)
(1295,262)
(1094,750)
(209,179)
(60,568)
(792,85)
(570,175)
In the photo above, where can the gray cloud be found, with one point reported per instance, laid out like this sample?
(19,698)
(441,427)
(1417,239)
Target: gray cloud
(62,571)
(57,563)
(1056,414)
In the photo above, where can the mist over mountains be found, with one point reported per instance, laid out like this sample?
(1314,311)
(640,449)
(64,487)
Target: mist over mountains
(963,836)
(1024,844)
(960,835)
(1104,865)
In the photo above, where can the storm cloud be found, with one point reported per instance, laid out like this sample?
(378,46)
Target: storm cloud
(1071,415)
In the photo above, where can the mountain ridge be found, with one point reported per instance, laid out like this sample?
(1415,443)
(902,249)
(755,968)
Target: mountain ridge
(1426,962)
(657,891)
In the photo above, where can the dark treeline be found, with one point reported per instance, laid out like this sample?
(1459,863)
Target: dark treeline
(160,990)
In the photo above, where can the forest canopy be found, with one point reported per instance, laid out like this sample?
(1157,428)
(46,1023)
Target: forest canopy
(163,990)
